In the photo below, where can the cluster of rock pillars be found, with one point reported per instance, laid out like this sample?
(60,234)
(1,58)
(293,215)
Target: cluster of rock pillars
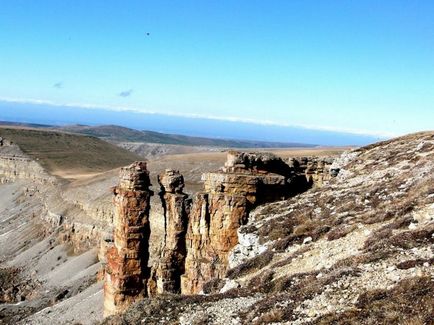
(200,231)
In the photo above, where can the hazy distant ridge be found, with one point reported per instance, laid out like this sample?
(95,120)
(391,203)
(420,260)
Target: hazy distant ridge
(191,127)
(117,133)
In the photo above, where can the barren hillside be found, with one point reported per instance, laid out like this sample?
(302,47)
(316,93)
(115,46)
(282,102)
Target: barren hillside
(65,154)
(356,251)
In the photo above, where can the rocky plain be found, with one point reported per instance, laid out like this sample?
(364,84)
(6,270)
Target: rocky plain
(317,236)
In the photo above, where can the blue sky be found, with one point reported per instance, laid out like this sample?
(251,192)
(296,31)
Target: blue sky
(361,66)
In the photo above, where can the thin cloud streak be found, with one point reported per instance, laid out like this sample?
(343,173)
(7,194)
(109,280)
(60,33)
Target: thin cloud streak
(125,93)
(58,85)
(200,116)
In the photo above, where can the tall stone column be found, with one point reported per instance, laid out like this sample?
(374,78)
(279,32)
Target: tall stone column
(127,260)
(173,252)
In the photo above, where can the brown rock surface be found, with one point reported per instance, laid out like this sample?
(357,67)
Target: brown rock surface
(359,250)
(246,181)
(317,170)
(173,252)
(126,270)
(196,243)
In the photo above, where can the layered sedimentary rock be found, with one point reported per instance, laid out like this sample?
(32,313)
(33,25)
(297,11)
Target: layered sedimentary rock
(15,165)
(197,241)
(317,170)
(229,194)
(126,270)
(173,251)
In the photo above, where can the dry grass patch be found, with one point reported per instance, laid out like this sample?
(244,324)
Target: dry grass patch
(340,231)
(411,301)
(166,309)
(285,293)
(384,239)
(413,263)
(251,265)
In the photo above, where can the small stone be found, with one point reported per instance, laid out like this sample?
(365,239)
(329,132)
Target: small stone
(412,226)
(230,284)
(311,313)
(307,240)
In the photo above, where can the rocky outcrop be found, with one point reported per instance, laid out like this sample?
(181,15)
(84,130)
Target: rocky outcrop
(127,270)
(229,194)
(173,252)
(355,251)
(77,225)
(317,170)
(197,241)
(15,165)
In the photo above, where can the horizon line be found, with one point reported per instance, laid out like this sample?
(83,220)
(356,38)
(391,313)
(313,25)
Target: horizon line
(118,108)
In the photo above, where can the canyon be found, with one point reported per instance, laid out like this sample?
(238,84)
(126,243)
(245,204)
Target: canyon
(235,237)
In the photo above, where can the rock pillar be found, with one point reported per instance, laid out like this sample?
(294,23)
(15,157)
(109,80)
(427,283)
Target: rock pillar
(127,270)
(173,251)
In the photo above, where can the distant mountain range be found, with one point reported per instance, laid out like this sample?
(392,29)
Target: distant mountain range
(115,133)
(249,133)
(123,134)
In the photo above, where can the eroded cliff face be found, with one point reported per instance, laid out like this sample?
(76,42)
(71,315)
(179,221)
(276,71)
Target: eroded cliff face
(59,213)
(318,171)
(127,260)
(15,165)
(355,251)
(198,236)
(176,206)
(229,194)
